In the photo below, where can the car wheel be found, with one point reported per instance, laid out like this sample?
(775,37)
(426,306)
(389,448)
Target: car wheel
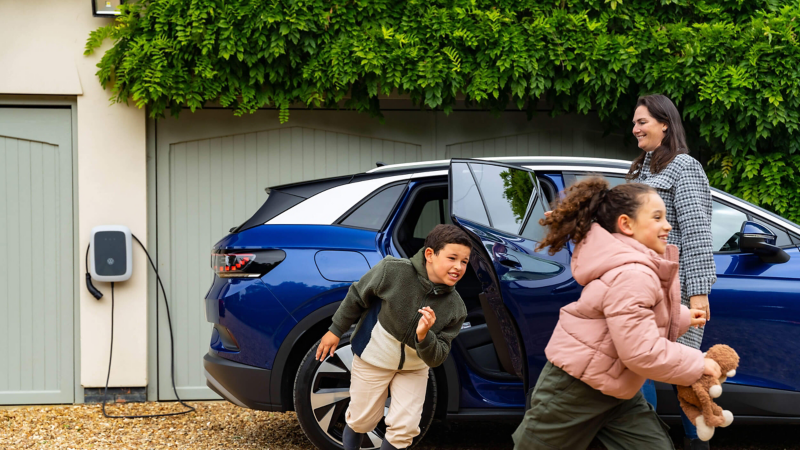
(322,394)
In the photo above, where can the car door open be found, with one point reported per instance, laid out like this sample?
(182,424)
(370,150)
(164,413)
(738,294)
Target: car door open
(500,206)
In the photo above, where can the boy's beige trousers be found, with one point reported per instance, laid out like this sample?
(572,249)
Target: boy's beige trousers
(369,388)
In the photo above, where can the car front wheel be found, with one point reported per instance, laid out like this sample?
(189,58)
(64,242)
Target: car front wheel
(322,395)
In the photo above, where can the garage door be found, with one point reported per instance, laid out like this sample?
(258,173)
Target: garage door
(218,183)
(36,267)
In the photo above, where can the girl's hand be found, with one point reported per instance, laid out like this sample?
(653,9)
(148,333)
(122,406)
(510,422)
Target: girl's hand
(700,302)
(425,322)
(698,317)
(327,345)
(712,368)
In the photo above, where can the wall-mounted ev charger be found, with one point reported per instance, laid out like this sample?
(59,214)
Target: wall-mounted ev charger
(112,262)
(111,253)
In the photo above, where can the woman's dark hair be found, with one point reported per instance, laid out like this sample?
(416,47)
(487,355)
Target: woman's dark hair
(674,143)
(586,202)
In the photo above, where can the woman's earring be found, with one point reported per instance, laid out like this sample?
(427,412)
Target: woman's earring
(663,129)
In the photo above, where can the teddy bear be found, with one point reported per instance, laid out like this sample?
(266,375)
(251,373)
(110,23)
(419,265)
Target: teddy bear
(697,400)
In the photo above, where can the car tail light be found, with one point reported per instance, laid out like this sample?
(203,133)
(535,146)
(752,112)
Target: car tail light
(245,264)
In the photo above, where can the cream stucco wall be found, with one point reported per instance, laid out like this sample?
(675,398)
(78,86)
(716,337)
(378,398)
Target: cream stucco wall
(41,53)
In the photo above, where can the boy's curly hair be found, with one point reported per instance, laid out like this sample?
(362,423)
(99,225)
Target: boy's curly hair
(586,202)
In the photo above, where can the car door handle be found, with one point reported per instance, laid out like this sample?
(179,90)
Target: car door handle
(510,263)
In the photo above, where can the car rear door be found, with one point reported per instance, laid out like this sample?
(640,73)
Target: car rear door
(500,205)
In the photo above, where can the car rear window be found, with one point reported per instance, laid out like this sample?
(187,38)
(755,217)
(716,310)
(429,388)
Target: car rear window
(372,214)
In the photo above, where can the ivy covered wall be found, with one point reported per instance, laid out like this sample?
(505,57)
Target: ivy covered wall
(731,66)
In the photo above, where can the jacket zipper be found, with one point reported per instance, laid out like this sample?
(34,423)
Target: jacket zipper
(411,329)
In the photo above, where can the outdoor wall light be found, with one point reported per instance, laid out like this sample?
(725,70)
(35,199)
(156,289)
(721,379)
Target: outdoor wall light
(105,8)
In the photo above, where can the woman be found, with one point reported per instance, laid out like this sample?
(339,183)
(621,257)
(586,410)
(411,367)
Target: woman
(681,182)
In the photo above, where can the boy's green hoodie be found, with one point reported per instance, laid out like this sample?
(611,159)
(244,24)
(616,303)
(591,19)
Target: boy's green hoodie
(386,300)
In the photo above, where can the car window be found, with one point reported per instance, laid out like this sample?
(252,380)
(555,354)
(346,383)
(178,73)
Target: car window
(549,191)
(507,193)
(373,213)
(572,178)
(431,216)
(726,223)
(533,230)
(467,202)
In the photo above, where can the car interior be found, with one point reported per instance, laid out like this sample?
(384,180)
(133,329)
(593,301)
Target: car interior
(478,340)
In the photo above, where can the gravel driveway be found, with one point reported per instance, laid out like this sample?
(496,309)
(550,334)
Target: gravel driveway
(221,425)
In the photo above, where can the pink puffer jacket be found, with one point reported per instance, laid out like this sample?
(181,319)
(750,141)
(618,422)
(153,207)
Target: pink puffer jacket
(623,328)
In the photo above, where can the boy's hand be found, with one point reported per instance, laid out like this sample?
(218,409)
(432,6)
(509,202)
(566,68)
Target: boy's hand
(425,322)
(698,317)
(712,368)
(327,345)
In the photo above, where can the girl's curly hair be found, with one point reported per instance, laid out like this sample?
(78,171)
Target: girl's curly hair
(586,202)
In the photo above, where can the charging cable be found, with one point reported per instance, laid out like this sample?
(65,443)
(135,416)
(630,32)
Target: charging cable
(98,295)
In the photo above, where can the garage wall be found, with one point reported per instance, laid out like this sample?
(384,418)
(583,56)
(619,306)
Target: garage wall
(208,171)
(41,57)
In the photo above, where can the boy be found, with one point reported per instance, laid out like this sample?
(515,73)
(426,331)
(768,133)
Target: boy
(409,313)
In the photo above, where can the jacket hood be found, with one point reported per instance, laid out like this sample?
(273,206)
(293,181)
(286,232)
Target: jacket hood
(418,261)
(601,251)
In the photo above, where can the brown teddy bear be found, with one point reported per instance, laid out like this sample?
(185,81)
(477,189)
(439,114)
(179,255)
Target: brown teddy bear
(697,400)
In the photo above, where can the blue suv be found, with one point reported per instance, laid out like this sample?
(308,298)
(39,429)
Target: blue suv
(281,275)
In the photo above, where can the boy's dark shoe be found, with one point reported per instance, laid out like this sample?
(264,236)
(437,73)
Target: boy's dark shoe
(695,444)
(388,446)
(350,439)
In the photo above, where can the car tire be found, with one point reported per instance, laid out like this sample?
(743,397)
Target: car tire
(322,395)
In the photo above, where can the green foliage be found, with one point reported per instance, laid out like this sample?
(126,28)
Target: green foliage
(730,65)
(517,189)
(770,180)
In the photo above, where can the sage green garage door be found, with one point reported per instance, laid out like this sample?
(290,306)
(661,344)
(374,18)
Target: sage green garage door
(36,256)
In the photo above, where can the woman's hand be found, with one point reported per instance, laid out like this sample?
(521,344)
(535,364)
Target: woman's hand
(698,317)
(712,368)
(700,302)
(425,322)
(327,345)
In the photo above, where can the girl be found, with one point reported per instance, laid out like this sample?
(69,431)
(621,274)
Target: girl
(620,332)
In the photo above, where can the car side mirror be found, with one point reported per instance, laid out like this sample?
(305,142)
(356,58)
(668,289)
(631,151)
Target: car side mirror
(760,240)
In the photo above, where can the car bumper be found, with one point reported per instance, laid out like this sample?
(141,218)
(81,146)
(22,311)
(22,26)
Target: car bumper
(240,384)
